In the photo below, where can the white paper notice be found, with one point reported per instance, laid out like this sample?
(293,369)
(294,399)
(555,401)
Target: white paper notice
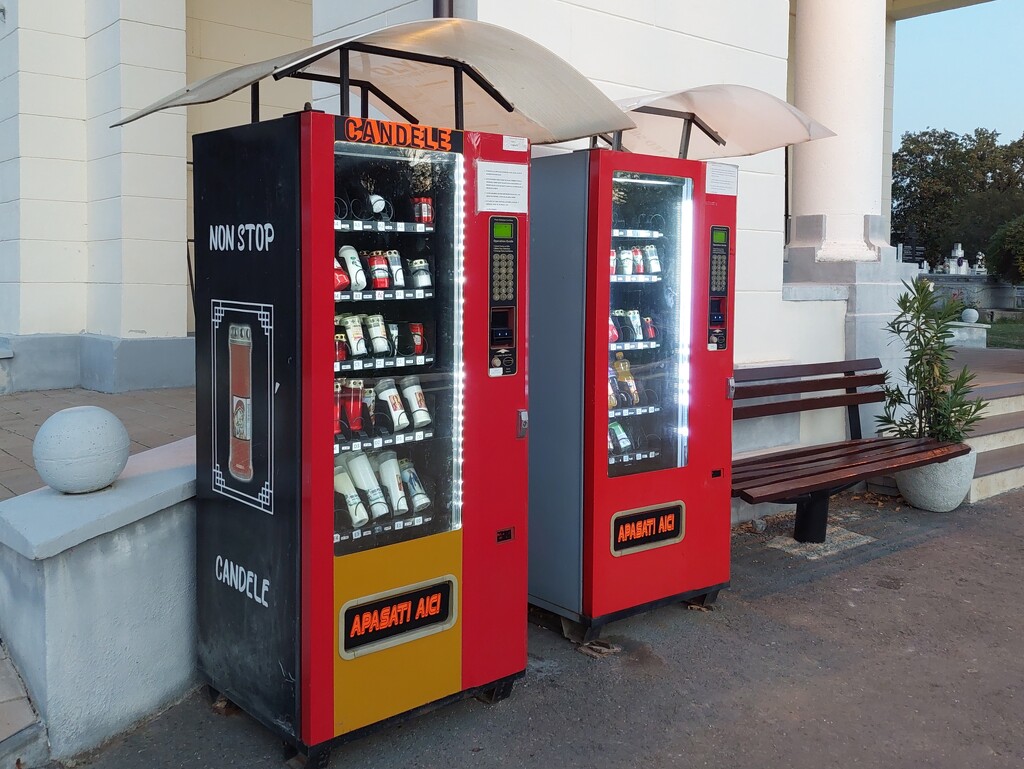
(502,187)
(515,143)
(721,179)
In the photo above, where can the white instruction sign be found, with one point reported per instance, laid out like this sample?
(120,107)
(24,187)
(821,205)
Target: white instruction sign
(721,179)
(502,187)
(515,143)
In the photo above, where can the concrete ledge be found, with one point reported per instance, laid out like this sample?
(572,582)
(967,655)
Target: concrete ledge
(45,523)
(814,292)
(969,334)
(102,363)
(97,598)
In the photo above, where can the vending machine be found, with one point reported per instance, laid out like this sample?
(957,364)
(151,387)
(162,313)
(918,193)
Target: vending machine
(361,393)
(631,337)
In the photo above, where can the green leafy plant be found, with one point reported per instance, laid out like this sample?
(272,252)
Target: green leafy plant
(933,403)
(1007,249)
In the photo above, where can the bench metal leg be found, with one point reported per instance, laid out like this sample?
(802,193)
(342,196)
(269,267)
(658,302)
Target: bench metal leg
(811,518)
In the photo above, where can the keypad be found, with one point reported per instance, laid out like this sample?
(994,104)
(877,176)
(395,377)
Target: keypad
(719,273)
(502,277)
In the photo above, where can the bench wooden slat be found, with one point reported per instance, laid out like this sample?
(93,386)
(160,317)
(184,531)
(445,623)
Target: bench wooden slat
(809,466)
(782,458)
(747,391)
(784,463)
(805,404)
(782,490)
(763,373)
(799,451)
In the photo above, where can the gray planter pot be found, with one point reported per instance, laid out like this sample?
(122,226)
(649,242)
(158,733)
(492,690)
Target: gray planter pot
(941,487)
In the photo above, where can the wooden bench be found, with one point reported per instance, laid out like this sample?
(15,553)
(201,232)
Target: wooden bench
(808,475)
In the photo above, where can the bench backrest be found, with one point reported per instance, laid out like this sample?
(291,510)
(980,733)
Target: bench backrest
(775,381)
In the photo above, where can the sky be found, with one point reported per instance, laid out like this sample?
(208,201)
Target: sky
(960,70)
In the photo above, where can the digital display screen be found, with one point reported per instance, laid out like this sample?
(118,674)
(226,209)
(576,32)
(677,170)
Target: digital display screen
(719,236)
(501,230)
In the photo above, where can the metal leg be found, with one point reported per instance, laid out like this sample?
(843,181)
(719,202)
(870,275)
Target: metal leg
(495,694)
(812,518)
(705,599)
(578,632)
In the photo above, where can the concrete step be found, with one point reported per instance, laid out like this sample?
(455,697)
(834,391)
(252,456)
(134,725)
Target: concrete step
(23,741)
(998,470)
(998,432)
(1002,398)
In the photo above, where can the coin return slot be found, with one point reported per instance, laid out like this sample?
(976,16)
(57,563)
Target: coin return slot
(502,327)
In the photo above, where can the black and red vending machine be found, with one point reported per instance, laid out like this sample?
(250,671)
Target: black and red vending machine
(361,370)
(631,337)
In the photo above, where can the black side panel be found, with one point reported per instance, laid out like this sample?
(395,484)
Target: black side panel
(248,375)
(558,281)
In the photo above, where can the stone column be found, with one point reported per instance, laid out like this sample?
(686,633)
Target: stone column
(838,235)
(840,81)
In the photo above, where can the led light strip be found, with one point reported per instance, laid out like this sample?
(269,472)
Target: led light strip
(458,371)
(685,277)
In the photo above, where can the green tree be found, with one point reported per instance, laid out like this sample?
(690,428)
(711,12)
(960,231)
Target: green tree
(1006,249)
(952,188)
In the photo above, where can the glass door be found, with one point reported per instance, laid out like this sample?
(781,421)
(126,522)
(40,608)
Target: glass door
(397,341)
(649,317)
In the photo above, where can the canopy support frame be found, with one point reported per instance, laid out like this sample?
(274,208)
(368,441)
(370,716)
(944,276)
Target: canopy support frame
(689,120)
(458,70)
(365,88)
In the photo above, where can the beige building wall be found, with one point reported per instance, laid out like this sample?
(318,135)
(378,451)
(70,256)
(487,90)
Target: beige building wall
(221,34)
(686,45)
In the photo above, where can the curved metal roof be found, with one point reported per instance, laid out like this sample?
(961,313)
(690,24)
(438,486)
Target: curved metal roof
(550,100)
(731,120)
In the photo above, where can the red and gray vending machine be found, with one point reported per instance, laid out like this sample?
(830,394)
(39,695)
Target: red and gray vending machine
(631,337)
(361,370)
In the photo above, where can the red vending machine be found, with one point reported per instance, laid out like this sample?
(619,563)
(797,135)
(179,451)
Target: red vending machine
(631,331)
(361,370)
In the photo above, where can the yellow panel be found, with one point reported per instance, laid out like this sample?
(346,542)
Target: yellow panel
(384,683)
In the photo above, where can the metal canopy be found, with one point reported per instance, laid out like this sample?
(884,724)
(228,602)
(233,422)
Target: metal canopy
(443,72)
(733,120)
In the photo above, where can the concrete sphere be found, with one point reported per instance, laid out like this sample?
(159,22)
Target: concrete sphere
(969,315)
(81,449)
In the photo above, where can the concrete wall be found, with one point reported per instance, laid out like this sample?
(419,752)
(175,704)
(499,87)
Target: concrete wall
(97,597)
(221,34)
(332,21)
(93,217)
(686,45)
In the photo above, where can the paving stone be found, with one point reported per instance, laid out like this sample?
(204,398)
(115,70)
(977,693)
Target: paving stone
(9,461)
(15,715)
(21,480)
(10,683)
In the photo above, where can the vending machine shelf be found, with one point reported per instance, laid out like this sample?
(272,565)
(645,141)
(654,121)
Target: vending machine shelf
(637,234)
(360,225)
(379,529)
(363,364)
(633,411)
(635,278)
(615,346)
(413,436)
(633,456)
(386,295)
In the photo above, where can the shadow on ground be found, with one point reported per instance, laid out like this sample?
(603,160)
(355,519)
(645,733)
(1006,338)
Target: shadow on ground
(898,645)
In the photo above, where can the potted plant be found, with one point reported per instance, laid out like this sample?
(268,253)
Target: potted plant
(931,402)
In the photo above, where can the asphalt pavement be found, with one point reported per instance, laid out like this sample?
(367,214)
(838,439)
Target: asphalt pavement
(899,644)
